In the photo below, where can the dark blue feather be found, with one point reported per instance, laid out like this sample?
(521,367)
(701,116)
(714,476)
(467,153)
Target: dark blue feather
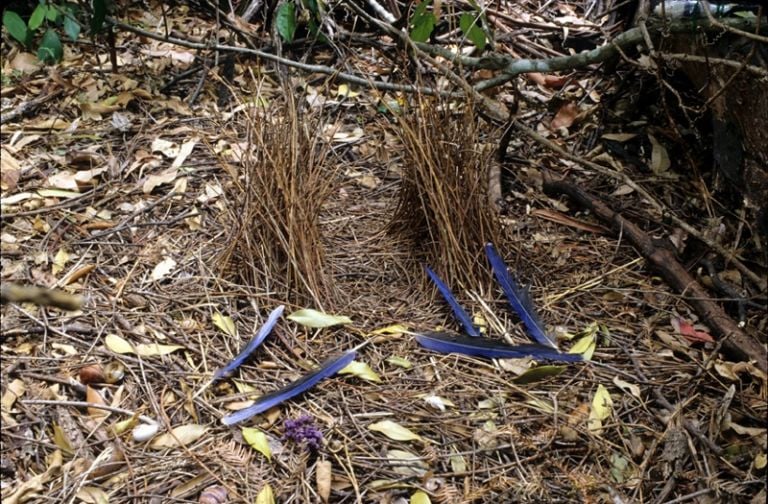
(490,349)
(226,371)
(463,317)
(263,403)
(518,298)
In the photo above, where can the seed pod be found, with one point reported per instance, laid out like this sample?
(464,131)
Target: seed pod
(114,372)
(215,494)
(92,373)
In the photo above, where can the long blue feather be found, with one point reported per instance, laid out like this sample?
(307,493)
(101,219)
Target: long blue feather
(306,382)
(463,317)
(490,349)
(226,371)
(518,298)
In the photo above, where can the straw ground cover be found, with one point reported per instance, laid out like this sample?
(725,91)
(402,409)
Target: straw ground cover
(202,220)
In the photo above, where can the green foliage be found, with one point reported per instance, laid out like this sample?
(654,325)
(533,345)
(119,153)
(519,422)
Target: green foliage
(470,26)
(286,21)
(50,50)
(48,17)
(422,22)
(17,28)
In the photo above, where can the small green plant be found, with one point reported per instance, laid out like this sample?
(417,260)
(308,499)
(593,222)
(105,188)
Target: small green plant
(49,17)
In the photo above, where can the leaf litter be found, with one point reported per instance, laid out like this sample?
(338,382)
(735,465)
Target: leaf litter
(153,270)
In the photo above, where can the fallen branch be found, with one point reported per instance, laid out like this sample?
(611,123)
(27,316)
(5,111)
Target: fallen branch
(734,340)
(14,293)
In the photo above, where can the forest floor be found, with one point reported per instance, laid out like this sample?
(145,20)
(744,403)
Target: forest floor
(183,225)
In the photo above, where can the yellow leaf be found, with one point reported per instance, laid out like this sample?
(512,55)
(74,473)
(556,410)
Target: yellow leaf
(760,461)
(400,362)
(179,436)
(266,496)
(14,390)
(92,396)
(121,346)
(419,497)
(345,91)
(61,260)
(585,346)
(316,319)
(258,441)
(361,370)
(394,430)
(61,440)
(391,329)
(225,323)
(118,344)
(601,409)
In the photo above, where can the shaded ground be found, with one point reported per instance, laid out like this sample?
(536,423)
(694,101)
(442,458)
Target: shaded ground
(147,235)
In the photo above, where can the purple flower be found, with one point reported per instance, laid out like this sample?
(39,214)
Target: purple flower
(303,430)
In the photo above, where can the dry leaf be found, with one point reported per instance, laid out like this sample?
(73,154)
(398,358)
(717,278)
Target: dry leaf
(121,346)
(163,178)
(163,268)
(179,436)
(315,319)
(407,463)
(660,162)
(323,476)
(565,116)
(602,404)
(394,430)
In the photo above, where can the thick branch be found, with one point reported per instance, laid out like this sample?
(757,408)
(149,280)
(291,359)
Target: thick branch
(735,341)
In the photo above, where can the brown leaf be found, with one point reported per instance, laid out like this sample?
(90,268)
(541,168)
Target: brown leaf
(565,116)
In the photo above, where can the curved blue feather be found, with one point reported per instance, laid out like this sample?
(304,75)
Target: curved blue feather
(518,298)
(306,382)
(490,349)
(463,317)
(231,366)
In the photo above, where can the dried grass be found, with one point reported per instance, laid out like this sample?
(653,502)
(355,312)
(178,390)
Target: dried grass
(443,209)
(273,208)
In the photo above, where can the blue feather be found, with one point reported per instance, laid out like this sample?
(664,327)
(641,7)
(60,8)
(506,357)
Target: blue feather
(463,317)
(518,298)
(490,349)
(226,371)
(263,403)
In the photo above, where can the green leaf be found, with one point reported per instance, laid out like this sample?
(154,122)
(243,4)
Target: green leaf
(37,17)
(422,25)
(470,26)
(71,27)
(53,13)
(315,319)
(50,50)
(16,27)
(286,21)
(538,374)
(311,5)
(99,15)
(258,441)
